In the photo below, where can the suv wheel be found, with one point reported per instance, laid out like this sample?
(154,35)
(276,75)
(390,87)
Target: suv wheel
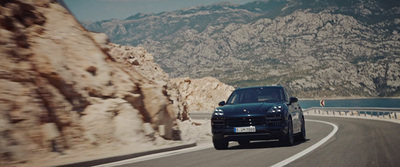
(288,138)
(302,135)
(220,144)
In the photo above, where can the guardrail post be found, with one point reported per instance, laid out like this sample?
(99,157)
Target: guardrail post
(327,113)
(395,115)
(345,113)
(390,115)
(319,112)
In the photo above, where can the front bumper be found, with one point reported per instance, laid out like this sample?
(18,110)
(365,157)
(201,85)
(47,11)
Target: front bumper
(262,133)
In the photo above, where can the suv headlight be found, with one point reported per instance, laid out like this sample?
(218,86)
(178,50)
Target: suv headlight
(218,112)
(275,109)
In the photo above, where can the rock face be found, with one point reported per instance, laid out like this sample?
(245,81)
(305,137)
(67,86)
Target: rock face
(315,48)
(137,59)
(61,90)
(185,94)
(202,95)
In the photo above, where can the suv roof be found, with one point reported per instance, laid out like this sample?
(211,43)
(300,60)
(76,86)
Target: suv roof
(279,86)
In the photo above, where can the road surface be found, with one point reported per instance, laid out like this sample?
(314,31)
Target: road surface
(357,142)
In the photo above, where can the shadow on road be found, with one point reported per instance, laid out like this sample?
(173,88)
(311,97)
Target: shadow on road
(263,144)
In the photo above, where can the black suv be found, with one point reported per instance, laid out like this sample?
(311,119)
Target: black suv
(258,113)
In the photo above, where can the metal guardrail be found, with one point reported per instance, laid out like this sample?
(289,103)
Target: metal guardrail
(390,113)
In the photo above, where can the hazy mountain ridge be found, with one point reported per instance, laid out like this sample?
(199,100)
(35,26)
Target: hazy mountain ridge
(317,48)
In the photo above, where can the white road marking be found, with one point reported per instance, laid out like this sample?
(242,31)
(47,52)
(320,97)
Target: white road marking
(309,149)
(156,156)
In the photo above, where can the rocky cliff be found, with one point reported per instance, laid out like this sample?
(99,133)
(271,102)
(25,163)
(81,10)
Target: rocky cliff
(202,95)
(185,94)
(137,59)
(323,48)
(63,90)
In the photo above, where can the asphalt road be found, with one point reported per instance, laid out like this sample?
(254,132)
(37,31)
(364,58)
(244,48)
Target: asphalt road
(358,142)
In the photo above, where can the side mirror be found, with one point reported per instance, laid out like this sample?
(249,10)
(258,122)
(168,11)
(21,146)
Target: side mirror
(293,100)
(221,103)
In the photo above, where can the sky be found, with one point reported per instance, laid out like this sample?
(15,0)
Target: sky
(95,10)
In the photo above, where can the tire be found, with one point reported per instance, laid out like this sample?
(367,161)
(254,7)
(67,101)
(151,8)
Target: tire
(244,142)
(302,134)
(288,138)
(220,144)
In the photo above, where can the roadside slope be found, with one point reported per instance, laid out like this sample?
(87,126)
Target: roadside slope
(61,93)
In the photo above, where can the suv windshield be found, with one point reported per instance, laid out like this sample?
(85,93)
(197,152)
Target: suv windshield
(256,95)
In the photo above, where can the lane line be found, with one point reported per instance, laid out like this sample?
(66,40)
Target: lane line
(309,149)
(156,156)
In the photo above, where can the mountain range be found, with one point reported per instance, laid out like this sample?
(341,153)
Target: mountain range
(317,48)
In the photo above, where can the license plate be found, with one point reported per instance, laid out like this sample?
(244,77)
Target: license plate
(245,129)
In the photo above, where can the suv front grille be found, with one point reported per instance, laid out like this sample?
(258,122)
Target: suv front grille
(270,120)
(274,120)
(245,121)
(218,123)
